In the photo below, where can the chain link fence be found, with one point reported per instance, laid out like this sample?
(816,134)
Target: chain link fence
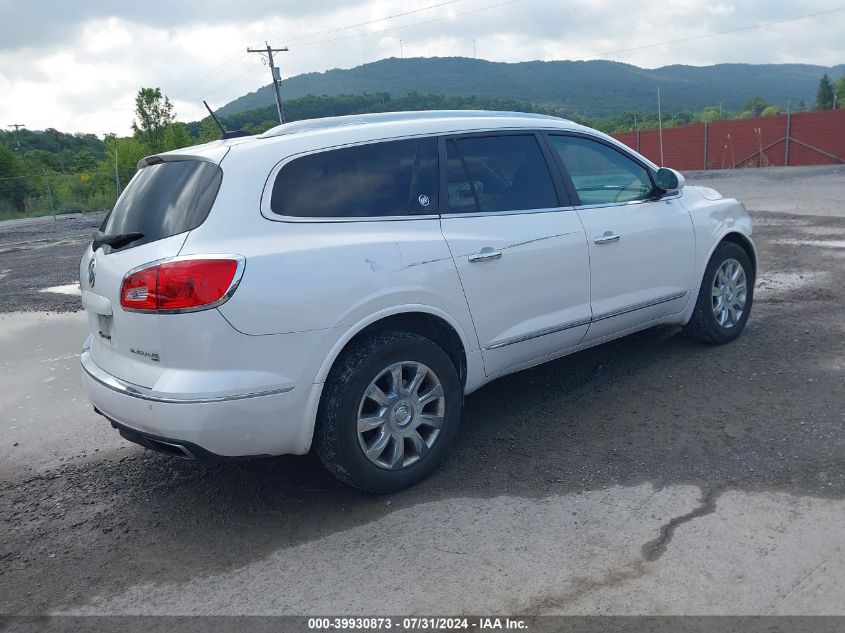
(54,194)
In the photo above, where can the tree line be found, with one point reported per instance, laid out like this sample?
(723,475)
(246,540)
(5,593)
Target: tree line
(51,171)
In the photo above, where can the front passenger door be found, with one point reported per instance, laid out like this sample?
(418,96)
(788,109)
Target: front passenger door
(642,249)
(520,253)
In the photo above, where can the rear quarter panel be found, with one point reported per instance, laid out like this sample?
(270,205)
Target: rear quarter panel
(324,276)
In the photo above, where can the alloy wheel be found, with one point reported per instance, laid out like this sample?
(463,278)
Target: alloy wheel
(400,415)
(729,292)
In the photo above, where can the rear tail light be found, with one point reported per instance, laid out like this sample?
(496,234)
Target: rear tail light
(183,285)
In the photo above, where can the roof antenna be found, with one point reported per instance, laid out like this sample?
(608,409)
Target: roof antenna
(225,134)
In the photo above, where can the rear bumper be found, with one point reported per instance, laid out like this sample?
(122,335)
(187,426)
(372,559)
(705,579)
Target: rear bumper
(237,426)
(175,447)
(136,391)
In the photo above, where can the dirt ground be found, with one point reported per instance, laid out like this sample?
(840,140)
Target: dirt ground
(651,475)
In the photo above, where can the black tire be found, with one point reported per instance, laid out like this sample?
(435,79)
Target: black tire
(337,435)
(704,326)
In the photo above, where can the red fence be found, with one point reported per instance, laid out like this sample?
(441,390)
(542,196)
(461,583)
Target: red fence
(804,138)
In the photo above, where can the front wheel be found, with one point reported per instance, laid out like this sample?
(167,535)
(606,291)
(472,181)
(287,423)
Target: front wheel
(724,301)
(390,409)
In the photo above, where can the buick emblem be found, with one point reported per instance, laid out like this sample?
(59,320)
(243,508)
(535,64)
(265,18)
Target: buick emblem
(92,272)
(424,200)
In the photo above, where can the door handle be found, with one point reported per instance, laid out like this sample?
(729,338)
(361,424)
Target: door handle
(486,254)
(607,238)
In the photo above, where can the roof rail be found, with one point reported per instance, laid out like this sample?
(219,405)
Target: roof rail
(388,117)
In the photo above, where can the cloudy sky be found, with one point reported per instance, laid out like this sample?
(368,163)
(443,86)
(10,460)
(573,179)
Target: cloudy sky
(76,66)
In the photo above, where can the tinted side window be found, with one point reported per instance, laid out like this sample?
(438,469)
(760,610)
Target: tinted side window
(498,173)
(165,199)
(601,174)
(374,180)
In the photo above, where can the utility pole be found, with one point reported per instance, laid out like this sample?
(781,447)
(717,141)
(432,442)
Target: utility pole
(277,78)
(17,127)
(788,134)
(50,194)
(401,50)
(660,125)
(116,175)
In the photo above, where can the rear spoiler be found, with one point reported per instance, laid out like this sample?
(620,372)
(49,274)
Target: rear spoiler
(213,152)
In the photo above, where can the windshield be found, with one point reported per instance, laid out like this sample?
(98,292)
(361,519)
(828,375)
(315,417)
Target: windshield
(164,200)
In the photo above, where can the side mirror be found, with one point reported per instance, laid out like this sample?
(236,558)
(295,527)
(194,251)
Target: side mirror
(669,180)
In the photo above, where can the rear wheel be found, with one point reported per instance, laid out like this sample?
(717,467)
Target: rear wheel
(390,409)
(725,298)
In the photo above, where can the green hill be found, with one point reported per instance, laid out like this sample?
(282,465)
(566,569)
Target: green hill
(588,88)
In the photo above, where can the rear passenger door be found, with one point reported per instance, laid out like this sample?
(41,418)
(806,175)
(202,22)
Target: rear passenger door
(520,249)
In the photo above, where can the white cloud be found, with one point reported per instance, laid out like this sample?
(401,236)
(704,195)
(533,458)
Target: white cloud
(101,52)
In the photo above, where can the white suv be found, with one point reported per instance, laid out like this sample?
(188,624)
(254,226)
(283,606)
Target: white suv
(346,281)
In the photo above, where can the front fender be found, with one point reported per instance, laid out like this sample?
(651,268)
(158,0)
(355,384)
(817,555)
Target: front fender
(714,218)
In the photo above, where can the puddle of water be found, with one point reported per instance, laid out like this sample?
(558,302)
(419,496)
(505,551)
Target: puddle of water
(68,289)
(817,243)
(45,415)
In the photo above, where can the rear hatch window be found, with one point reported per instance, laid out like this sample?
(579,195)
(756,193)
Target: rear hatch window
(165,199)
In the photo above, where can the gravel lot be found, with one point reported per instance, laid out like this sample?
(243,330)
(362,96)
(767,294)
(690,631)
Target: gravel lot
(651,475)
(40,253)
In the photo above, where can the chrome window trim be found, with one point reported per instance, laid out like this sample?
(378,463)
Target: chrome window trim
(544,332)
(602,205)
(357,218)
(136,391)
(639,306)
(236,280)
(478,214)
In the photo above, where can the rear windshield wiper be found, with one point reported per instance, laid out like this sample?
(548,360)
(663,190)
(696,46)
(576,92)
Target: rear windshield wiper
(118,240)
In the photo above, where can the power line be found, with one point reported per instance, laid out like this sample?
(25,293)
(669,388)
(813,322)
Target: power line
(230,81)
(213,73)
(706,35)
(210,75)
(367,23)
(412,24)
(404,26)
(485,8)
